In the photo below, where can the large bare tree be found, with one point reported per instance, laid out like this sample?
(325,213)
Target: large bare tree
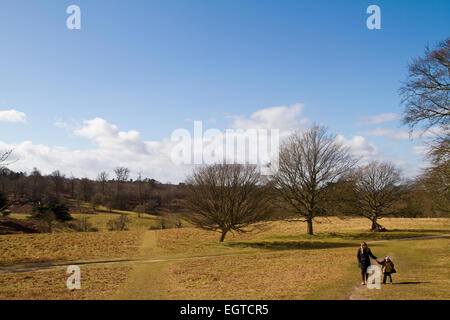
(377,190)
(308,162)
(426,98)
(227,197)
(425,94)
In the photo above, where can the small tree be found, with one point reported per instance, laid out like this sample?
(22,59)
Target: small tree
(86,189)
(377,190)
(140,209)
(58,178)
(436,184)
(102,178)
(226,197)
(83,225)
(122,175)
(4,204)
(49,218)
(119,224)
(60,211)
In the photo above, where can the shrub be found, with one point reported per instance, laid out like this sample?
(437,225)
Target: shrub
(82,225)
(119,224)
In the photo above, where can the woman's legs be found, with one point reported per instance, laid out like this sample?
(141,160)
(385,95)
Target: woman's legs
(364,275)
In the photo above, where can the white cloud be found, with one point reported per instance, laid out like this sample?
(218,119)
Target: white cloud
(112,148)
(380,118)
(389,133)
(12,116)
(359,147)
(284,118)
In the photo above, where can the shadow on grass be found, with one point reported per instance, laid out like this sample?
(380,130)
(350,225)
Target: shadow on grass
(410,282)
(290,245)
(420,230)
(390,234)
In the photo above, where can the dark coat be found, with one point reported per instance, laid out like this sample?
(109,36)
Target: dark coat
(388,267)
(364,258)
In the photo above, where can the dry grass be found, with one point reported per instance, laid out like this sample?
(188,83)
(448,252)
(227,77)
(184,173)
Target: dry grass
(45,248)
(100,220)
(260,276)
(96,283)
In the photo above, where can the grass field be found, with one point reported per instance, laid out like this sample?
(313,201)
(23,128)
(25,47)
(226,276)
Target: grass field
(74,246)
(98,282)
(277,262)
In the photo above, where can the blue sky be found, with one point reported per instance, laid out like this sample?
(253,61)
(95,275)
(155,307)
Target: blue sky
(149,66)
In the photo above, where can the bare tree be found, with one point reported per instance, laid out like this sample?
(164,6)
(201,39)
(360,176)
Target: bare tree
(103,179)
(122,175)
(308,162)
(426,101)
(36,185)
(227,197)
(119,224)
(436,183)
(377,190)
(4,157)
(140,209)
(139,182)
(425,95)
(86,189)
(49,218)
(58,178)
(72,185)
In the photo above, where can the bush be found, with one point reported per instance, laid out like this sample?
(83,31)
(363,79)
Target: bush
(4,205)
(119,224)
(60,211)
(6,213)
(82,225)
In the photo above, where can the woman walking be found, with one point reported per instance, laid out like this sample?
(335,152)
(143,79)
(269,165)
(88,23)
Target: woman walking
(364,254)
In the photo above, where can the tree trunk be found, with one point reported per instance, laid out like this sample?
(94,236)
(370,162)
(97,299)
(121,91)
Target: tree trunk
(374,224)
(222,237)
(310,226)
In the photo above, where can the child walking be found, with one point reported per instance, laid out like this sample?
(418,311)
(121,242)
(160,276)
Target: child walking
(388,269)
